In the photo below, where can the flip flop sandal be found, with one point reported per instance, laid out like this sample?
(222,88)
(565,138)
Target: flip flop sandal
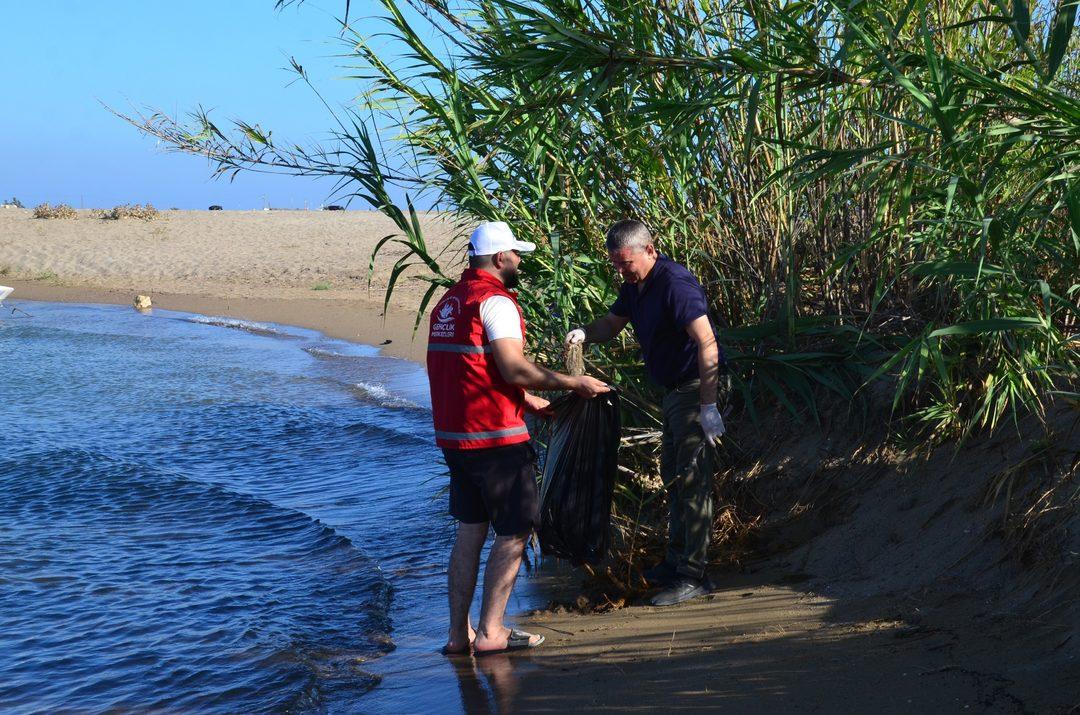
(518,640)
(460,651)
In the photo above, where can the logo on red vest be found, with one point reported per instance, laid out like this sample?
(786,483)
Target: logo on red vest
(445,318)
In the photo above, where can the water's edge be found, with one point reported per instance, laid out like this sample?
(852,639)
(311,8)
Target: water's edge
(353,319)
(403,530)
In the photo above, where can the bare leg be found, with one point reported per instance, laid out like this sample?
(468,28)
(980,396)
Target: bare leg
(500,573)
(461,577)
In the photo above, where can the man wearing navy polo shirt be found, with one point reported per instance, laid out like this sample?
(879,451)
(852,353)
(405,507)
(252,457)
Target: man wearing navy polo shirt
(666,305)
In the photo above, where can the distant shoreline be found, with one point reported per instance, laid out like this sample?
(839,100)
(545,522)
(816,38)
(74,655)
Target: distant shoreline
(353,320)
(303,268)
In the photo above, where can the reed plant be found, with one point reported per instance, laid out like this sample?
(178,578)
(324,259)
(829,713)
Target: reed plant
(884,192)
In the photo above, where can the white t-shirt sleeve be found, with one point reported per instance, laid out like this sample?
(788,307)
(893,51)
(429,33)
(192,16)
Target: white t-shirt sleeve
(500,318)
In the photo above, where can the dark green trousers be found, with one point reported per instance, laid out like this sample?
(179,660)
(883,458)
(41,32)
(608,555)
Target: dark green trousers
(688,480)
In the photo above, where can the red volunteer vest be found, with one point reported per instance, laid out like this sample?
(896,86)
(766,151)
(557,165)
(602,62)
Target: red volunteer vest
(472,405)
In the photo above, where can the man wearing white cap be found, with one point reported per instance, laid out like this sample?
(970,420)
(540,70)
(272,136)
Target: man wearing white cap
(478,374)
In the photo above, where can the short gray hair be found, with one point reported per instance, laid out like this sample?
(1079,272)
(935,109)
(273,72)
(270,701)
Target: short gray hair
(627,234)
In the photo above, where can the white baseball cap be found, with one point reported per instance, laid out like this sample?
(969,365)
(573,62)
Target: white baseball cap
(495,236)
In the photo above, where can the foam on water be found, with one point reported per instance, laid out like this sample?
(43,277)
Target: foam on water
(237,324)
(341,351)
(379,395)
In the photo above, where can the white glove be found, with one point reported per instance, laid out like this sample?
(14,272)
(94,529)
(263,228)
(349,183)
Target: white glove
(712,424)
(577,335)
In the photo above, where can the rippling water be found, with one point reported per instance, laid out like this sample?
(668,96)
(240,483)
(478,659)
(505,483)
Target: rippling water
(209,514)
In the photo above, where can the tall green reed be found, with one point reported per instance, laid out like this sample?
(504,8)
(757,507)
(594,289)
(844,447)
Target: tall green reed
(879,190)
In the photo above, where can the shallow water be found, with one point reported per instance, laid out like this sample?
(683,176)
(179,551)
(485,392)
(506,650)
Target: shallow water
(215,515)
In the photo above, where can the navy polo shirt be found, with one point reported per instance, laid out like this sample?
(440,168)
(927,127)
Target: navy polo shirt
(668,300)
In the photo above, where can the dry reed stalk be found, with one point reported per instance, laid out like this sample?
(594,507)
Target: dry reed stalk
(575,359)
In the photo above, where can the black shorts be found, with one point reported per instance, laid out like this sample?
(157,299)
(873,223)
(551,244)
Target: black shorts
(495,484)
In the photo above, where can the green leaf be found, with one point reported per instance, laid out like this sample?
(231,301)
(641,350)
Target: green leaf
(902,19)
(751,120)
(422,309)
(1060,32)
(1022,19)
(958,269)
(1072,200)
(989,325)
(375,252)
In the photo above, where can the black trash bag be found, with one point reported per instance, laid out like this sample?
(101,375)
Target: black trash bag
(579,477)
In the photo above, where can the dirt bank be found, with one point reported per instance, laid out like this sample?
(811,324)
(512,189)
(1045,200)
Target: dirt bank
(884,581)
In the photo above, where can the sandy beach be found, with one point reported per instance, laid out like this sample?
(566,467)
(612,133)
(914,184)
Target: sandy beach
(305,268)
(839,628)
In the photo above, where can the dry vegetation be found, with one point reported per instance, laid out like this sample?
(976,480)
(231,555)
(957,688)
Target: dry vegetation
(144,212)
(59,211)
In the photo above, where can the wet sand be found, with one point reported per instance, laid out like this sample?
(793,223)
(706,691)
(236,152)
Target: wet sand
(755,645)
(762,644)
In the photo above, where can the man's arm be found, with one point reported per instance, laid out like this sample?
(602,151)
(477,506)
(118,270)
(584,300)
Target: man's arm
(600,330)
(708,357)
(519,370)
(537,405)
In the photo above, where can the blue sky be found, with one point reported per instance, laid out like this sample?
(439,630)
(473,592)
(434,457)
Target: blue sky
(58,144)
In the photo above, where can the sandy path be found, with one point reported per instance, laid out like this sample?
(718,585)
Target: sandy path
(307,268)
